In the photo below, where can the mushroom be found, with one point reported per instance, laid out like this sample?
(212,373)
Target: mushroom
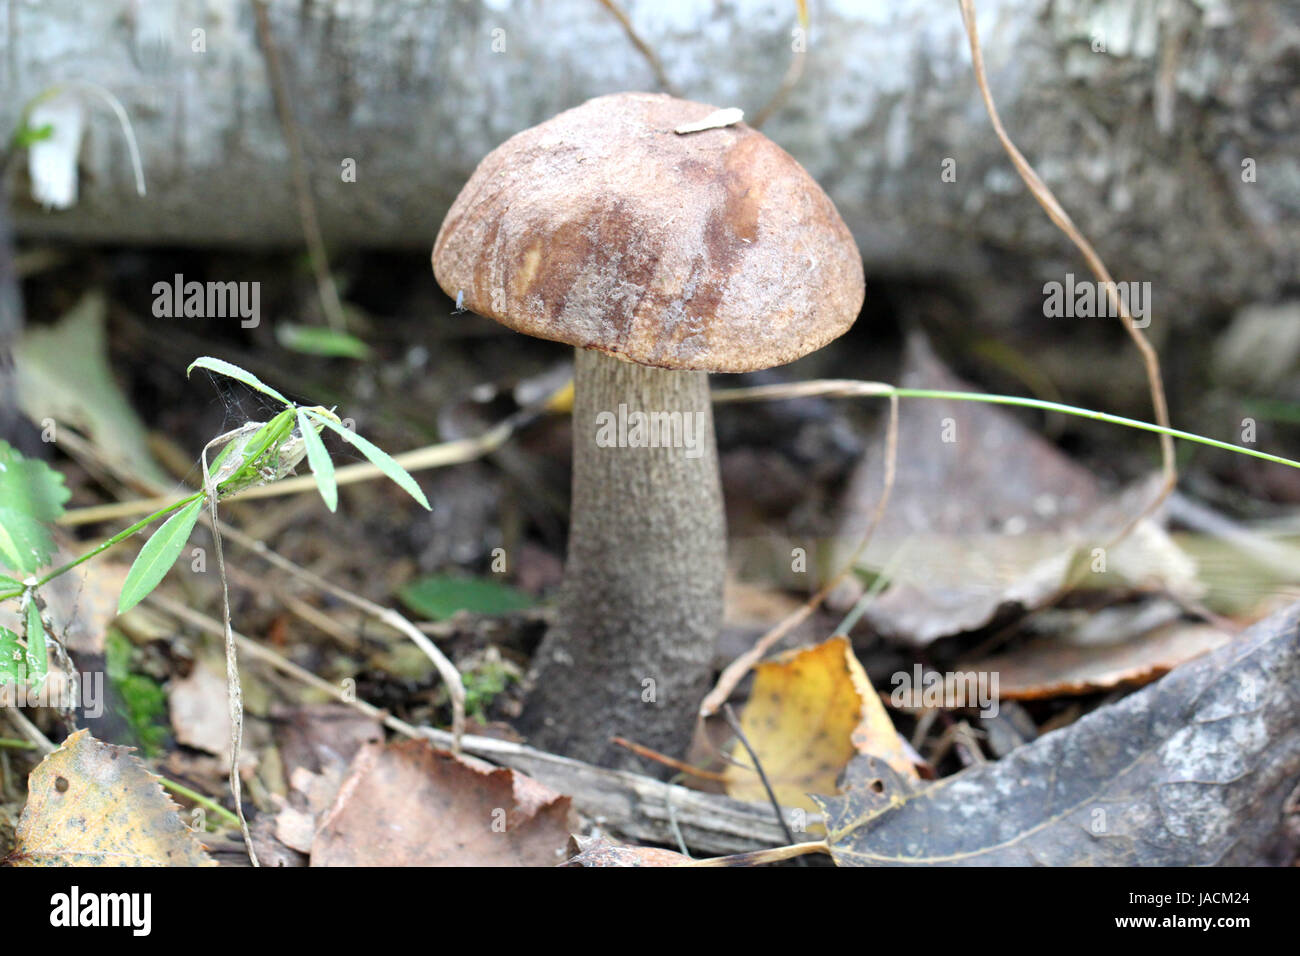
(660,256)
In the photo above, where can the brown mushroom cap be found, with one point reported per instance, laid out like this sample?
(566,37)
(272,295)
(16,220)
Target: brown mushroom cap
(605,229)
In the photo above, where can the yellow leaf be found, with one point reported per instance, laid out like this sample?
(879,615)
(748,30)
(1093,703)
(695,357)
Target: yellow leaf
(811,710)
(94,804)
(561,402)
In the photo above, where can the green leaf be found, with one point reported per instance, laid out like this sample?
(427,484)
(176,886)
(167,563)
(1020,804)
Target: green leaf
(318,340)
(37,663)
(12,668)
(1272,410)
(379,458)
(158,555)
(28,135)
(31,496)
(438,598)
(237,373)
(254,452)
(319,460)
(9,584)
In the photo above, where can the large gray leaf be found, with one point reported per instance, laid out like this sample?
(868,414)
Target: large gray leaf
(1190,771)
(986,514)
(64,374)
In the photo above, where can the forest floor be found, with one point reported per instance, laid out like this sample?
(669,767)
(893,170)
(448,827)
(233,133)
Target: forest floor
(975,568)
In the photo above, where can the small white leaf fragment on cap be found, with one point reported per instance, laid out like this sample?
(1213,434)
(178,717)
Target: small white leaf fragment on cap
(715,120)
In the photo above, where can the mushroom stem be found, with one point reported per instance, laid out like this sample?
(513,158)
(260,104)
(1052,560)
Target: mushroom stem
(632,649)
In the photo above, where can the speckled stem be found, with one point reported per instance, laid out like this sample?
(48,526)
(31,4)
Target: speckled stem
(631,652)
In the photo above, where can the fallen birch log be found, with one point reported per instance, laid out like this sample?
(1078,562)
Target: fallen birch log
(1147,120)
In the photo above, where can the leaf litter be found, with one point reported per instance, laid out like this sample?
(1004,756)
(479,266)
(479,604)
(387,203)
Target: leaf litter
(1193,770)
(95,804)
(411,804)
(810,711)
(987,515)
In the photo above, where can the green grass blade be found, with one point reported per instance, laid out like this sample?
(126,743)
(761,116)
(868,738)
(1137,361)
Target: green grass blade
(37,662)
(1085,413)
(237,373)
(379,458)
(158,555)
(319,460)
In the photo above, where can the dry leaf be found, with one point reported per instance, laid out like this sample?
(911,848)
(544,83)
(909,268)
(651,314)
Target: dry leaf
(985,514)
(310,795)
(410,804)
(271,852)
(810,711)
(296,829)
(317,744)
(1193,770)
(94,804)
(1051,668)
(322,737)
(200,712)
(598,851)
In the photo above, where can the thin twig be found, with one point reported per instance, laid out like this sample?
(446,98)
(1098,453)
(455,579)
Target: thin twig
(883,577)
(446,669)
(788,83)
(251,648)
(685,768)
(66,708)
(234,689)
(758,857)
(329,294)
(431,456)
(678,838)
(1058,215)
(30,730)
(734,724)
(735,672)
(661,77)
(307,612)
(793,73)
(124,121)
